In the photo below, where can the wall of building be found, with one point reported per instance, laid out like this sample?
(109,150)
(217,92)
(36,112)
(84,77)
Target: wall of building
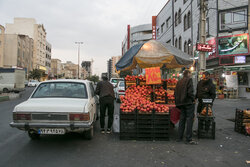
(48,58)
(2,32)
(18,51)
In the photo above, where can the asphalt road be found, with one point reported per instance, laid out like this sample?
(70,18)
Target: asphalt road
(229,149)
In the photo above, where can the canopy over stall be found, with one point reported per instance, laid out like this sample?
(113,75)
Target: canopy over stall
(153,54)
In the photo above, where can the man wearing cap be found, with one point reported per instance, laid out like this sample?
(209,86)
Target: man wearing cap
(205,90)
(105,90)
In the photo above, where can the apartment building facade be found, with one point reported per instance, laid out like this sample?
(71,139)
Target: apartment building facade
(29,26)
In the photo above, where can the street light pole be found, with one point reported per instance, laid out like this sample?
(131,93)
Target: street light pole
(78,43)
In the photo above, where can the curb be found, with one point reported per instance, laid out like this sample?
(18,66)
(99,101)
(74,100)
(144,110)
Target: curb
(4,98)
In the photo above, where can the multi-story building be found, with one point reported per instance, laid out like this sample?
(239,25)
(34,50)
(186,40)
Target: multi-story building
(71,67)
(136,35)
(2,30)
(56,68)
(178,23)
(28,26)
(109,68)
(48,58)
(87,68)
(115,59)
(18,52)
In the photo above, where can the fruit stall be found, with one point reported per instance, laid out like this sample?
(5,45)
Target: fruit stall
(145,109)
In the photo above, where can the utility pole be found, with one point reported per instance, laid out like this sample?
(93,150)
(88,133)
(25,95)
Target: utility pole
(203,4)
(78,72)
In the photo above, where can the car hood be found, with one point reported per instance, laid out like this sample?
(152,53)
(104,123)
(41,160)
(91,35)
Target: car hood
(52,105)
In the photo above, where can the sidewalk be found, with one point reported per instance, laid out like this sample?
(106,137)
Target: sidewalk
(9,96)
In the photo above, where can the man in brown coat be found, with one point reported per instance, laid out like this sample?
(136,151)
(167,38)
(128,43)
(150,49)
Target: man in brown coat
(105,90)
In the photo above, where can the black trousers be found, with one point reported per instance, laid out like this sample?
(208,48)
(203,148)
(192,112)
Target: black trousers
(187,116)
(106,102)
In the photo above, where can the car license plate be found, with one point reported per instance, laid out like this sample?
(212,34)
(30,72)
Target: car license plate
(51,131)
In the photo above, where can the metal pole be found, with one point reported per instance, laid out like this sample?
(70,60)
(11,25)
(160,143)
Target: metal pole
(78,72)
(202,34)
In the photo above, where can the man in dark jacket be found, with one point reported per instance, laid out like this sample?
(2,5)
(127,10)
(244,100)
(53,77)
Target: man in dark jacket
(185,101)
(105,90)
(205,90)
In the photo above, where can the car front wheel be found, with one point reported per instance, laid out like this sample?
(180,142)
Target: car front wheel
(89,134)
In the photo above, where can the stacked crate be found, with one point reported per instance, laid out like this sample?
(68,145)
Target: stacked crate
(144,126)
(241,121)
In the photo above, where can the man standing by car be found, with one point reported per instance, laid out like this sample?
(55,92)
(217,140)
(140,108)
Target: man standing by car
(205,90)
(105,90)
(185,101)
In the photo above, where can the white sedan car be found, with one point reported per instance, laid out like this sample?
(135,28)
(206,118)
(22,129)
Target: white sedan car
(58,107)
(119,90)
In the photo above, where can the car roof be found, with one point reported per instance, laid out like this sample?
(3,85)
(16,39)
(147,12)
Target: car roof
(67,80)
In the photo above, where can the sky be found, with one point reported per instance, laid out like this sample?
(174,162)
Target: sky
(100,24)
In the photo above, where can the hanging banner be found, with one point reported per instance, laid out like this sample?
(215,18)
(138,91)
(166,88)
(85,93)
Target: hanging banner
(153,75)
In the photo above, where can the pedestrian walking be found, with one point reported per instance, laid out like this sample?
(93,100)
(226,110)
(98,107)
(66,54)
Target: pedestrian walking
(185,101)
(205,90)
(105,91)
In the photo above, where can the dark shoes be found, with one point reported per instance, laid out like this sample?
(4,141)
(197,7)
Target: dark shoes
(191,142)
(103,131)
(108,131)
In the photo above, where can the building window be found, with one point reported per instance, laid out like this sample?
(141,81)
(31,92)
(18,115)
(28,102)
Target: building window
(207,27)
(176,43)
(180,43)
(179,16)
(242,78)
(189,19)
(158,32)
(198,32)
(189,47)
(233,19)
(185,46)
(168,22)
(185,23)
(162,27)
(176,21)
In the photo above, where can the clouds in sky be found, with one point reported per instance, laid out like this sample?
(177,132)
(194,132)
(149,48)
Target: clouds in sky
(100,24)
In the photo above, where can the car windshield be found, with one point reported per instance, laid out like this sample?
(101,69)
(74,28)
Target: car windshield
(61,90)
(121,84)
(116,80)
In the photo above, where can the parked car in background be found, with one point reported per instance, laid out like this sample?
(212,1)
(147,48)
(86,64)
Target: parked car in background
(26,83)
(33,83)
(114,81)
(119,90)
(11,80)
(57,107)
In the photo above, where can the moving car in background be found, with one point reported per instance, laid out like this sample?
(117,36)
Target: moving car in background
(58,107)
(114,81)
(119,90)
(33,83)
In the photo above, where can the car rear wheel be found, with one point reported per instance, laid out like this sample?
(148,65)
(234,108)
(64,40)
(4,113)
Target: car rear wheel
(89,134)
(33,135)
(5,90)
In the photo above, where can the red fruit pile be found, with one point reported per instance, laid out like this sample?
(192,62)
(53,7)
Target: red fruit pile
(160,95)
(133,78)
(172,81)
(138,97)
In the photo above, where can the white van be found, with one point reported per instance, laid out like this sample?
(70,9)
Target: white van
(11,80)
